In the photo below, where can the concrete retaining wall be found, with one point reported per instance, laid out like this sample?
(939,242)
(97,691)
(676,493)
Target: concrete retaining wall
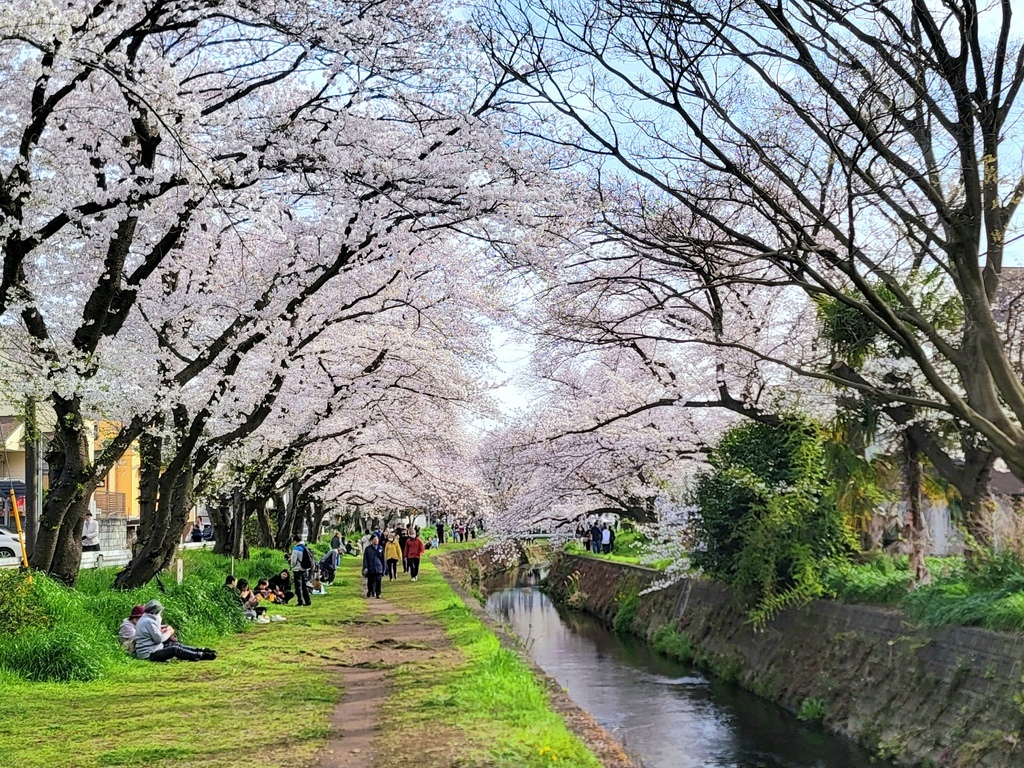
(937,697)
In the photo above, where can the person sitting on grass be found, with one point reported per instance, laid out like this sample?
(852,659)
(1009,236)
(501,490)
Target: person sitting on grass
(264,592)
(153,639)
(281,584)
(250,601)
(126,634)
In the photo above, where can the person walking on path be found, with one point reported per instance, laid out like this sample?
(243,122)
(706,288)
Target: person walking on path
(302,563)
(336,541)
(392,554)
(595,538)
(606,539)
(413,552)
(329,564)
(440,532)
(373,567)
(403,537)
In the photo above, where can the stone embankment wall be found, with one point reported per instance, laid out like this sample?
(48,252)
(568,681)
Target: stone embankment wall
(471,567)
(924,697)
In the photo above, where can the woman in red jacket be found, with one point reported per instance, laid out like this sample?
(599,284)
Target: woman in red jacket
(413,552)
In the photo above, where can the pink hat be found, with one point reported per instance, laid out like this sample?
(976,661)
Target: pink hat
(137,612)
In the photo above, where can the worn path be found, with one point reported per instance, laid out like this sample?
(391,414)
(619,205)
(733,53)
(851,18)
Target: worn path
(388,635)
(427,684)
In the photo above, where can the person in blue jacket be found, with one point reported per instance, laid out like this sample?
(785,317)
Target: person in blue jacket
(373,566)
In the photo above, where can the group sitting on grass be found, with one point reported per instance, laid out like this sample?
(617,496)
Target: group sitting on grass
(144,635)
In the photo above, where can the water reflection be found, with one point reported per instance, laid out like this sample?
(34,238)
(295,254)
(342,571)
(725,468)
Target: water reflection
(665,712)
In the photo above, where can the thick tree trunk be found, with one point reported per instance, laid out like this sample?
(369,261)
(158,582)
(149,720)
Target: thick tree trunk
(159,541)
(58,549)
(237,538)
(220,519)
(316,523)
(283,510)
(263,519)
(916,531)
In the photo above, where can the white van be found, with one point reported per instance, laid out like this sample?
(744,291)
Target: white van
(10,544)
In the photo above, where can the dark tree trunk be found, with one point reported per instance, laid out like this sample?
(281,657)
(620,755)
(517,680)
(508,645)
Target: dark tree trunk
(238,548)
(916,531)
(316,523)
(173,502)
(58,548)
(220,518)
(263,518)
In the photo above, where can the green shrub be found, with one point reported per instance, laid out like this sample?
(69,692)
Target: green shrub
(812,710)
(767,524)
(629,604)
(883,580)
(670,642)
(18,611)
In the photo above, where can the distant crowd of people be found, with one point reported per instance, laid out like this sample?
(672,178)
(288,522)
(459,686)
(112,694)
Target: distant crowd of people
(145,635)
(596,537)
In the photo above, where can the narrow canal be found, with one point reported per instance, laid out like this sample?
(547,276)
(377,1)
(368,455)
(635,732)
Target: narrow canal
(666,713)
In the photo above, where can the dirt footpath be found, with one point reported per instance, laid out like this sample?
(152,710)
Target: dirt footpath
(388,635)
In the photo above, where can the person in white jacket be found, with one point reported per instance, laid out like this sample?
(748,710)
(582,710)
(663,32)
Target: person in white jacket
(90,534)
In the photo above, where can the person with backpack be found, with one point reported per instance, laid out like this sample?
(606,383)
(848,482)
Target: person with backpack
(413,552)
(373,567)
(302,563)
(329,564)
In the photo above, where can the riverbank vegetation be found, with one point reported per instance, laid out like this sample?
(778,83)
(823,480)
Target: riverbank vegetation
(489,697)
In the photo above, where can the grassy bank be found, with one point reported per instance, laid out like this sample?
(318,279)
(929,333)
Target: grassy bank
(263,703)
(53,634)
(987,593)
(486,707)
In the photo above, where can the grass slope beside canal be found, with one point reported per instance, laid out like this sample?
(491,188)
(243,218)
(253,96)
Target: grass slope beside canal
(485,710)
(265,702)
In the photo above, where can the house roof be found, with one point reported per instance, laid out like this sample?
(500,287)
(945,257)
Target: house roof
(12,428)
(1005,484)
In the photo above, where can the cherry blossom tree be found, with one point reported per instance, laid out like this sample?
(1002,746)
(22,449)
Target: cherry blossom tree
(188,182)
(846,151)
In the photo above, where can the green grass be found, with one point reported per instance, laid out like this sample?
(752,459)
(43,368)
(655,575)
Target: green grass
(988,592)
(263,703)
(485,703)
(670,642)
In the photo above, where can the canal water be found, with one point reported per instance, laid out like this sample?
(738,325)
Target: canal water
(666,714)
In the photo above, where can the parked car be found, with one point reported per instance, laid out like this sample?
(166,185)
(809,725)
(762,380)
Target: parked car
(10,544)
